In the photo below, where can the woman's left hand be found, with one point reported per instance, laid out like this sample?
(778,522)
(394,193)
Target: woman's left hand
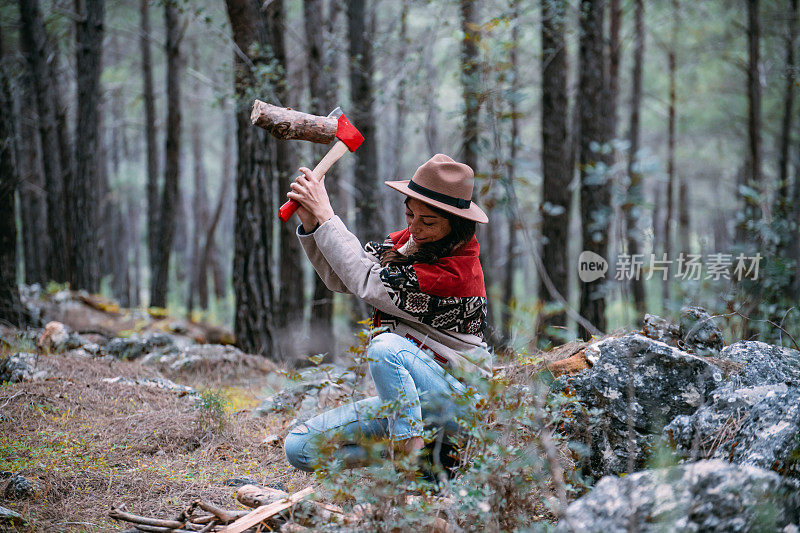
(312,195)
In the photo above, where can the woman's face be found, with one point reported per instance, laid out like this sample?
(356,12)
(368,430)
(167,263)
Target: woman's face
(423,223)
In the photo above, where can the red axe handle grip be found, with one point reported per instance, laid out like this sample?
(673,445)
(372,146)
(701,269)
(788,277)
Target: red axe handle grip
(334,154)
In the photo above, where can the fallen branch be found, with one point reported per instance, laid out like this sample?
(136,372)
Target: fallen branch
(266,511)
(223,515)
(144,520)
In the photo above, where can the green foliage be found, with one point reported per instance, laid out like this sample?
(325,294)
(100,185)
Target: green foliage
(212,410)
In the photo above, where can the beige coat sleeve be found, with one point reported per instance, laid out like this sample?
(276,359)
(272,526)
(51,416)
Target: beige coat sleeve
(358,271)
(320,264)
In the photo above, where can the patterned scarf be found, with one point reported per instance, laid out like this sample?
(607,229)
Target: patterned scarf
(449,294)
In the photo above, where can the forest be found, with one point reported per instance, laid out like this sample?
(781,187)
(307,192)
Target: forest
(637,159)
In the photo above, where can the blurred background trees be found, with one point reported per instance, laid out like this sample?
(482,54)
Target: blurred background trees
(635,129)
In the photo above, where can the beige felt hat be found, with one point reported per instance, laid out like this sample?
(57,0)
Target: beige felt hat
(445,184)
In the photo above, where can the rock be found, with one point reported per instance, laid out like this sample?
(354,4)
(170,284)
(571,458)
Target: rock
(318,388)
(757,426)
(704,496)
(18,367)
(696,331)
(666,383)
(19,488)
(239,481)
(53,337)
(763,364)
(699,331)
(9,517)
(157,383)
(136,345)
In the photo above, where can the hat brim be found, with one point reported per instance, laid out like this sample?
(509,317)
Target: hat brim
(473,212)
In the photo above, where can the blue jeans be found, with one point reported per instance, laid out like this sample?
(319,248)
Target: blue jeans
(414,394)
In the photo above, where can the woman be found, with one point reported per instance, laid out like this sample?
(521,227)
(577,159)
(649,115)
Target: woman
(426,285)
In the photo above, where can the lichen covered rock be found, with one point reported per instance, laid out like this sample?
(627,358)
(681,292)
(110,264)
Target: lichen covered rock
(18,367)
(711,496)
(757,426)
(763,364)
(666,382)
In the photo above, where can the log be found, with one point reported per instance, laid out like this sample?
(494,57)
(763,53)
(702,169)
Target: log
(266,511)
(144,520)
(223,515)
(287,124)
(254,496)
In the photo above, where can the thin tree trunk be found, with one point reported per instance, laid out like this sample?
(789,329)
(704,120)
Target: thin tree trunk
(171,192)
(511,167)
(635,199)
(11,309)
(595,197)
(556,163)
(133,221)
(788,105)
(199,205)
(33,214)
(320,83)
(254,326)
(361,27)
(149,99)
(38,50)
(470,81)
(84,206)
(292,282)
(209,248)
(671,121)
(753,176)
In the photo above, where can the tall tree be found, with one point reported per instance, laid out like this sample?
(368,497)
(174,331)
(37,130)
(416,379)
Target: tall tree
(83,194)
(199,204)
(11,309)
(788,105)
(148,96)
(361,30)
(292,281)
(595,195)
(635,197)
(33,215)
(322,93)
(752,211)
(556,163)
(254,326)
(170,195)
(470,81)
(38,50)
(671,121)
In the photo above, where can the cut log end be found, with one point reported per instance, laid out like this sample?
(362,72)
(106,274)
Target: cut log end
(287,124)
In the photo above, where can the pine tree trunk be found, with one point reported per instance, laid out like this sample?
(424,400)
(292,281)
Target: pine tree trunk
(38,49)
(148,96)
(83,208)
(470,81)
(33,214)
(170,196)
(254,325)
(752,210)
(556,163)
(320,86)
(291,255)
(595,196)
(11,309)
(671,122)
(786,124)
(635,198)
(361,27)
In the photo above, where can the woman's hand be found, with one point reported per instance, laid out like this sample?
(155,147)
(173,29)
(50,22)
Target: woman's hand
(313,199)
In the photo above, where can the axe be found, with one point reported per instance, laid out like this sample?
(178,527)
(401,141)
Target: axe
(286,123)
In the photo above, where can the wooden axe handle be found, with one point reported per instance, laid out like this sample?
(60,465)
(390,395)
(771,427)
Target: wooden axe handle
(333,155)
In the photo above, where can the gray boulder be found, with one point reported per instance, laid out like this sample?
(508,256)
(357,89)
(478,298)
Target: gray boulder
(316,388)
(704,496)
(699,331)
(666,383)
(18,367)
(137,345)
(19,488)
(757,426)
(763,364)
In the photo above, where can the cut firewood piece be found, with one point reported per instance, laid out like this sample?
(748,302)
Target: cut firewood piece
(571,365)
(287,124)
(254,496)
(266,511)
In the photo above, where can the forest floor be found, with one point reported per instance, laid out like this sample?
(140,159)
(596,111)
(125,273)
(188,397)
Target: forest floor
(88,444)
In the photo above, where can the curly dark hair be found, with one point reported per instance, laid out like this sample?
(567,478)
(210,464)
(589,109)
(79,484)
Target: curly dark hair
(461,231)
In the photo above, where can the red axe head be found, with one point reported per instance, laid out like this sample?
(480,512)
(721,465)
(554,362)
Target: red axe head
(348,134)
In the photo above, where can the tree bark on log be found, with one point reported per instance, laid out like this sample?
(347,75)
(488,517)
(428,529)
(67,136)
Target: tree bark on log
(288,124)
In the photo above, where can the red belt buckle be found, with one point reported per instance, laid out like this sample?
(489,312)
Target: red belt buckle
(436,357)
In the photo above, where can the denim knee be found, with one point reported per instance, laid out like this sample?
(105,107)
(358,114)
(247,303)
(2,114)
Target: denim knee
(380,348)
(295,448)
